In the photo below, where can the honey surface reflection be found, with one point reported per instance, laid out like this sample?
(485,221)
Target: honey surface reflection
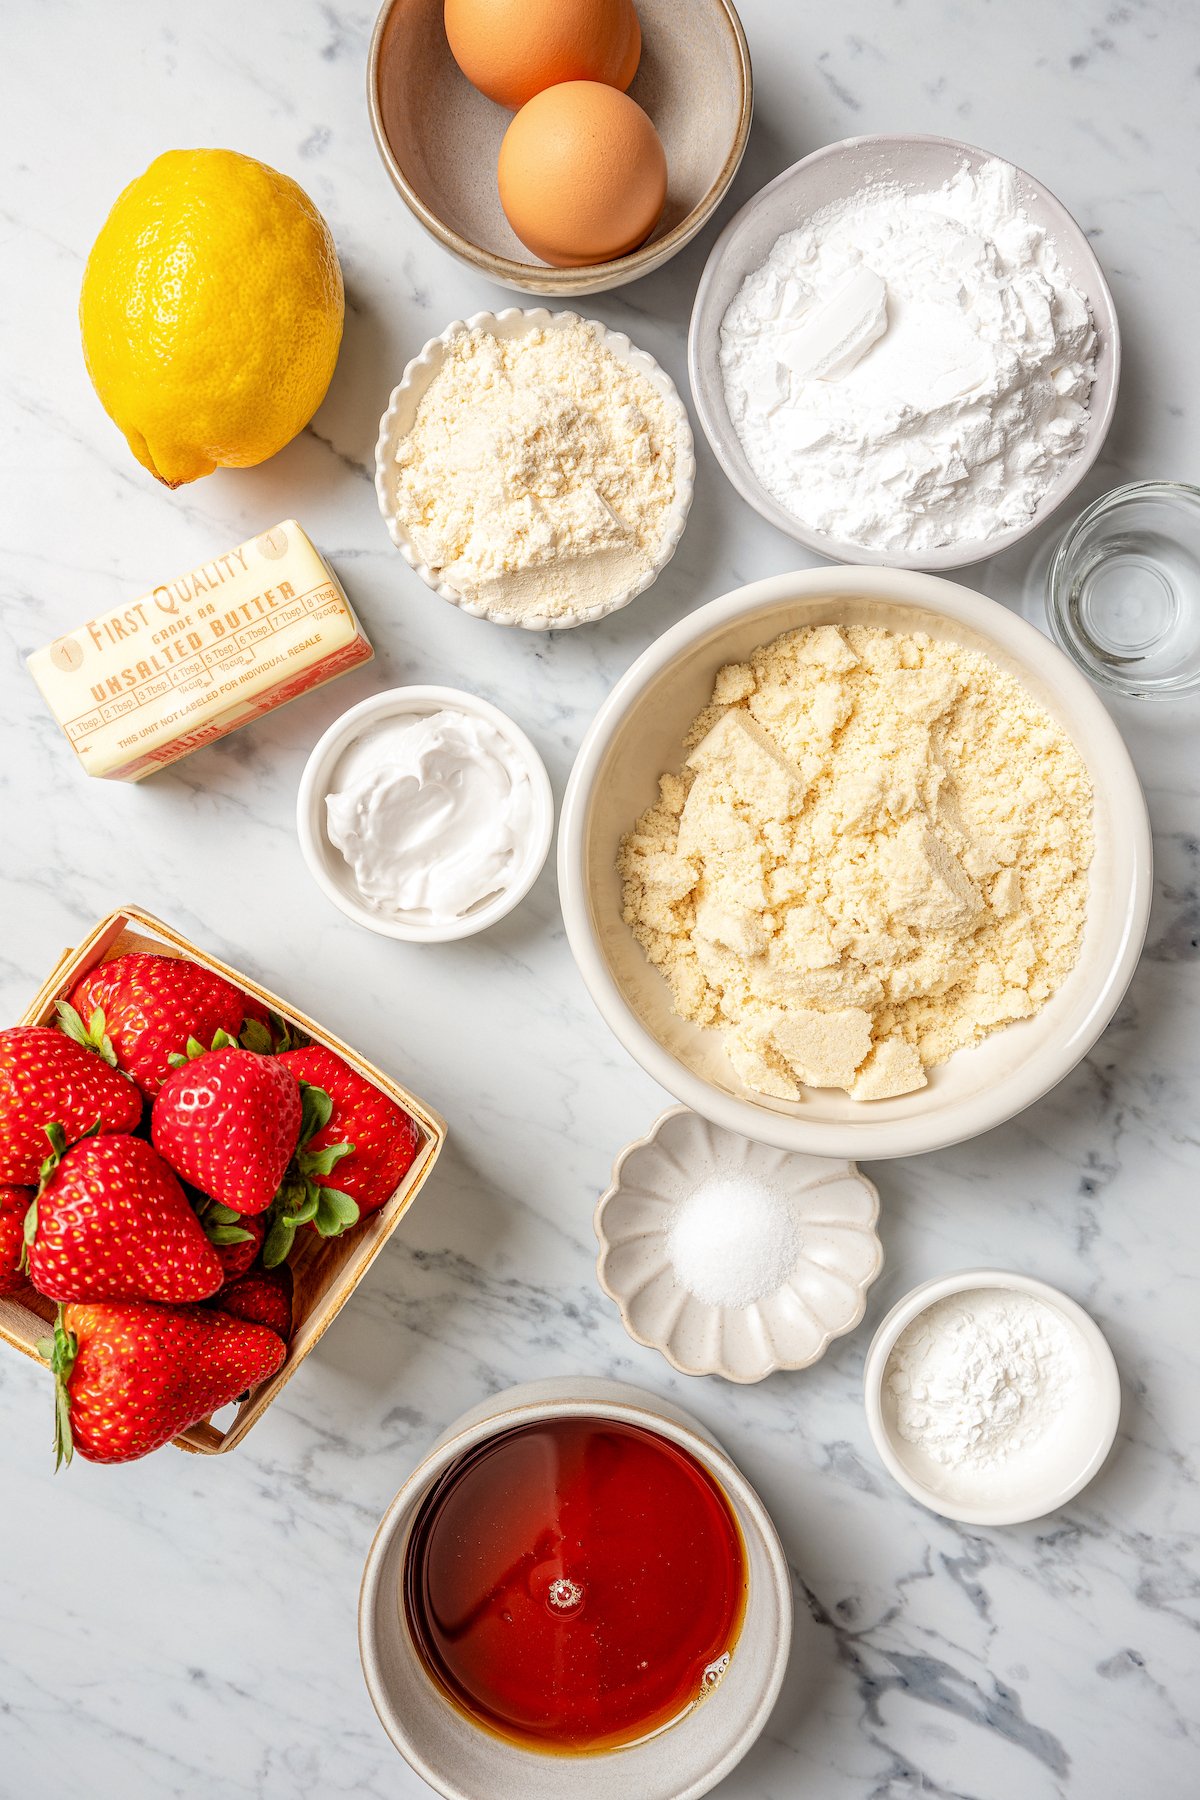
(574,1585)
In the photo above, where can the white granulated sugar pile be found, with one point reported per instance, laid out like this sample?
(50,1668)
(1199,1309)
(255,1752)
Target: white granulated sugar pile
(539,472)
(732,1242)
(910,370)
(980,1377)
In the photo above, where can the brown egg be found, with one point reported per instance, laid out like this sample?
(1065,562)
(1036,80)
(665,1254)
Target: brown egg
(512,49)
(582,174)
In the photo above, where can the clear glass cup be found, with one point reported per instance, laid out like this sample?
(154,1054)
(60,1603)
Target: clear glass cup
(1123,590)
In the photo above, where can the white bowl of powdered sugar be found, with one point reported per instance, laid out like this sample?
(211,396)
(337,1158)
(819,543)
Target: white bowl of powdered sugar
(991,1397)
(904,351)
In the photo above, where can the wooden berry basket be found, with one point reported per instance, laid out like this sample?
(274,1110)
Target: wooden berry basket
(326,1270)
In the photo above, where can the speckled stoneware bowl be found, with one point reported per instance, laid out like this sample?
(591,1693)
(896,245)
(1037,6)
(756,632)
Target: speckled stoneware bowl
(397,421)
(832,174)
(439,137)
(463,1762)
(838,1253)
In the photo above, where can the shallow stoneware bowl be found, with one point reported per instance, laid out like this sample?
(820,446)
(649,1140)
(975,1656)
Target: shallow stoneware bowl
(401,414)
(439,137)
(825,1295)
(463,1762)
(830,175)
(638,732)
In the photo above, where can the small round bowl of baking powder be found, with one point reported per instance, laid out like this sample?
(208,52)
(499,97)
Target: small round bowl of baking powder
(992,1398)
(329,868)
(730,1257)
(832,175)
(401,413)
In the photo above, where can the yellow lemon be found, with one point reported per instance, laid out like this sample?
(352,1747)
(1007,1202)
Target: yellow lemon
(211,313)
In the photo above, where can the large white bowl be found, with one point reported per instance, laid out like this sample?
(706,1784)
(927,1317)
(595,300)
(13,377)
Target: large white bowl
(832,174)
(463,1762)
(638,732)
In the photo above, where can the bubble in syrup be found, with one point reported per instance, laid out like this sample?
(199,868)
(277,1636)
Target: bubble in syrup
(564,1596)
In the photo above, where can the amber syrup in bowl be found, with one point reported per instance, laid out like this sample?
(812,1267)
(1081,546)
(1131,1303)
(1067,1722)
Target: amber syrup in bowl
(575,1585)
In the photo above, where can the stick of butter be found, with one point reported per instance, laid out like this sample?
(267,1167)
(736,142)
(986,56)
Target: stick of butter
(139,687)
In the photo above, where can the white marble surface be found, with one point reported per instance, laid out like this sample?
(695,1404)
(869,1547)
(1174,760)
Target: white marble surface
(186,1626)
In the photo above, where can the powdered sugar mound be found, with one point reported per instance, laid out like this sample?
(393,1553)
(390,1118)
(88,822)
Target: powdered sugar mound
(980,1376)
(911,370)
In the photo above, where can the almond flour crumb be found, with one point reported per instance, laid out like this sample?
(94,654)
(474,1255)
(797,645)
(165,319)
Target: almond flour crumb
(875,854)
(539,473)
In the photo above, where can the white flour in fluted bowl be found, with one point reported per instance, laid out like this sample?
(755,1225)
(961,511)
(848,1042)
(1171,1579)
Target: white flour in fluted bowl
(911,370)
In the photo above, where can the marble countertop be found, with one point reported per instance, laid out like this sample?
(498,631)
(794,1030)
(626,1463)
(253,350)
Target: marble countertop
(187,1626)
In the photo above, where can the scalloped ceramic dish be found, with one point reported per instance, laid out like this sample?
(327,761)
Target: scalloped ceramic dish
(398,420)
(839,1254)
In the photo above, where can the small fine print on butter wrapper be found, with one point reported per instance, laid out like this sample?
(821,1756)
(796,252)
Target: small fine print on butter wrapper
(145,684)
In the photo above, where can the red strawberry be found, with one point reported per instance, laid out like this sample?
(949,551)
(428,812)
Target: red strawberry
(112,1223)
(14,1204)
(264,1297)
(382,1139)
(139,1008)
(129,1376)
(228,1122)
(46,1079)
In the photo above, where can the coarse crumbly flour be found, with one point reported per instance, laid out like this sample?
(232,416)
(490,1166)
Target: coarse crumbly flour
(876,854)
(908,370)
(539,472)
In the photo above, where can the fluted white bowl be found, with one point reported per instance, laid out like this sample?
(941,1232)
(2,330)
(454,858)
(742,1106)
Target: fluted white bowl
(514,322)
(825,1295)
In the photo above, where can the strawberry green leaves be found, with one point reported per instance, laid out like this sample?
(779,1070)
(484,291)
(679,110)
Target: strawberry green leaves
(58,1149)
(267,1038)
(222,1225)
(195,1049)
(60,1352)
(93,1035)
(302,1200)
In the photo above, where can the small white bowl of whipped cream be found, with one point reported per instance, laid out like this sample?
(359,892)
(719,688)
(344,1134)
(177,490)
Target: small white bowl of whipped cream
(425,814)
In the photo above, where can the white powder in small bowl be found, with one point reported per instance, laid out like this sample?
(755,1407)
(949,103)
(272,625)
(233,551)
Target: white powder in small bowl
(982,1377)
(540,474)
(733,1242)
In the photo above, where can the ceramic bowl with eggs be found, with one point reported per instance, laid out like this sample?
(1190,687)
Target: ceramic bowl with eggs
(440,137)
(639,731)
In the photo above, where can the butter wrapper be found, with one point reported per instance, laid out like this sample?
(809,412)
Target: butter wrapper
(196,657)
